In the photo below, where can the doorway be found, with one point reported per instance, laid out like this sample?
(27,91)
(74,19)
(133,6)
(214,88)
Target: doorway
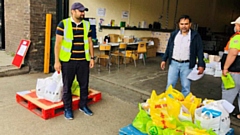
(2,33)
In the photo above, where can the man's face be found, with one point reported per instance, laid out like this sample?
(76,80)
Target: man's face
(79,14)
(184,25)
(237,27)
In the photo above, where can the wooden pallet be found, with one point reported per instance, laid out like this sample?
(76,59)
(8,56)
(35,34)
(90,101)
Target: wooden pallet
(46,109)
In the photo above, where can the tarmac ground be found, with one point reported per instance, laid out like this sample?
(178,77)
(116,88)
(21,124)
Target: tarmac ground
(122,89)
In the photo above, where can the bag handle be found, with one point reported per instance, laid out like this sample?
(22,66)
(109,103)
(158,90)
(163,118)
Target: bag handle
(206,113)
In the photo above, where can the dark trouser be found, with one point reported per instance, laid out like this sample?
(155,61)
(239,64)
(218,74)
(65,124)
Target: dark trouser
(69,70)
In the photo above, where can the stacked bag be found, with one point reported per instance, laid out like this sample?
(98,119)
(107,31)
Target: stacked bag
(171,114)
(51,88)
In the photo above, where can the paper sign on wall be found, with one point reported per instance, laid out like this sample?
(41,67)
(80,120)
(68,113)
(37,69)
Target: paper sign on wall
(101,12)
(125,14)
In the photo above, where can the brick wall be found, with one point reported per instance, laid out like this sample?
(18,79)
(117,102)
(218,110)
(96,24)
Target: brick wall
(17,23)
(25,19)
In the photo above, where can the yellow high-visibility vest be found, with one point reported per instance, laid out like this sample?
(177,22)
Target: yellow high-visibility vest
(66,47)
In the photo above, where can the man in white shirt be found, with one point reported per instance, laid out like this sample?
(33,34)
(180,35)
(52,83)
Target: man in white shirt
(183,49)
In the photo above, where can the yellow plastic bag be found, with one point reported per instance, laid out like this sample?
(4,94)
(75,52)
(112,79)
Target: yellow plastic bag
(164,110)
(171,92)
(191,107)
(172,132)
(164,121)
(173,107)
(159,114)
(194,131)
(154,97)
(184,115)
(193,99)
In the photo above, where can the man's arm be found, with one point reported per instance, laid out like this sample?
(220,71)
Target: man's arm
(57,47)
(91,46)
(232,53)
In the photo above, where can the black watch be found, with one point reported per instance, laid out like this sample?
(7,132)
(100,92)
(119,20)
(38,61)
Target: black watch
(92,58)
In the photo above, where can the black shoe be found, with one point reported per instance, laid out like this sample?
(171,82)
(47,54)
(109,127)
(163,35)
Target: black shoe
(86,110)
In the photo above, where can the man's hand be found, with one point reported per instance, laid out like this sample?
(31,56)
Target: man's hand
(200,70)
(224,72)
(91,64)
(57,66)
(162,65)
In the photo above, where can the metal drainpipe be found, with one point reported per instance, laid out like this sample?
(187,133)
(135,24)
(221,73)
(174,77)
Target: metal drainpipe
(66,9)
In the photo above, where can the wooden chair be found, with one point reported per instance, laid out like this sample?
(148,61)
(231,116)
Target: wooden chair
(141,50)
(118,53)
(104,53)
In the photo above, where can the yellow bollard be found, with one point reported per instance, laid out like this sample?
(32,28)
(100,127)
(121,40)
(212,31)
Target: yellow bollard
(47,43)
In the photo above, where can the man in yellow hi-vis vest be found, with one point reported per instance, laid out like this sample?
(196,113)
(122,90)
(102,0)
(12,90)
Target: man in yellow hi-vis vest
(74,56)
(231,64)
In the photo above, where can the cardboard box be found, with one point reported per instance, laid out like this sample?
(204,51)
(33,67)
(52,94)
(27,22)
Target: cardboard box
(114,60)
(128,60)
(128,40)
(152,50)
(103,62)
(114,38)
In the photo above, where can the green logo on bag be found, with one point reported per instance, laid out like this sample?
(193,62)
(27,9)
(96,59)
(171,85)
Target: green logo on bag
(153,130)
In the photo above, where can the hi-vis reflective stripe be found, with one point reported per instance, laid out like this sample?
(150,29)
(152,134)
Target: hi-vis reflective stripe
(87,26)
(87,51)
(65,49)
(68,40)
(226,52)
(65,32)
(85,41)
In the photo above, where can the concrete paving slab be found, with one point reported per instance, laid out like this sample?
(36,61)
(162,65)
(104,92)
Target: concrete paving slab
(110,114)
(6,59)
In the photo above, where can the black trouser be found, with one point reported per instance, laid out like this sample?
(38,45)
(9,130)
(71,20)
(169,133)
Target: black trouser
(69,70)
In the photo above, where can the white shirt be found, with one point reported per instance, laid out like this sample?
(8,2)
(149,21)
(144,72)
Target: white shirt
(75,22)
(181,49)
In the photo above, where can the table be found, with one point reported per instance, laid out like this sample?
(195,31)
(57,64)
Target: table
(117,44)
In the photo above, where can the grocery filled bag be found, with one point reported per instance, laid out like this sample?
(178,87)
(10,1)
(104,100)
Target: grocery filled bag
(50,88)
(75,87)
(141,120)
(41,85)
(54,88)
(225,108)
(208,118)
(164,110)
